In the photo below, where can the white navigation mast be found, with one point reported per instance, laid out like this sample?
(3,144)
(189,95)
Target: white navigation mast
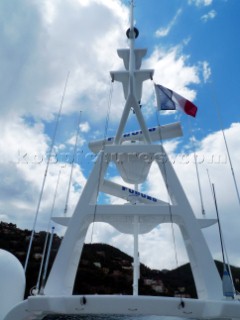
(133,159)
(133,153)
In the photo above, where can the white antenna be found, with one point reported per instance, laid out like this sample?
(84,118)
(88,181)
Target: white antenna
(228,153)
(199,184)
(228,287)
(45,174)
(227,280)
(131,15)
(71,173)
(47,235)
(230,162)
(47,261)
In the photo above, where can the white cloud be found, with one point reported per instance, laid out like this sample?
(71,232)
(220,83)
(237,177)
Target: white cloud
(209,16)
(163,32)
(84,126)
(199,3)
(212,155)
(173,71)
(40,70)
(40,42)
(40,47)
(23,163)
(206,70)
(72,141)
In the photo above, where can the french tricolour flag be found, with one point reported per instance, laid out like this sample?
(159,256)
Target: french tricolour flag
(170,100)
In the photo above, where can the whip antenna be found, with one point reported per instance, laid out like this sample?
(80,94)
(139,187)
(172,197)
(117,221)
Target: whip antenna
(71,173)
(45,174)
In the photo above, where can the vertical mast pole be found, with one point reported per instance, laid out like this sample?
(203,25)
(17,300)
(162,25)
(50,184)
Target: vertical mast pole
(132,99)
(131,85)
(132,56)
(136,256)
(136,272)
(132,64)
(131,88)
(132,69)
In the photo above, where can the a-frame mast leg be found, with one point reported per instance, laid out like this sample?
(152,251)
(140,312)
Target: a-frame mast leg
(206,277)
(62,276)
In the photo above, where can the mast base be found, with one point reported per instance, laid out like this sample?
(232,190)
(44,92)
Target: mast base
(40,306)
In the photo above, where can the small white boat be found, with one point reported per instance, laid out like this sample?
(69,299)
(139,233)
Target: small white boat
(133,153)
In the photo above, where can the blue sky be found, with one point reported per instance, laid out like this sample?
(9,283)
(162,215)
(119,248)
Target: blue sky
(193,46)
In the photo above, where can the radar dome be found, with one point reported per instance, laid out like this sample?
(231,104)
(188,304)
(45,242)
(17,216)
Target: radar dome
(12,279)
